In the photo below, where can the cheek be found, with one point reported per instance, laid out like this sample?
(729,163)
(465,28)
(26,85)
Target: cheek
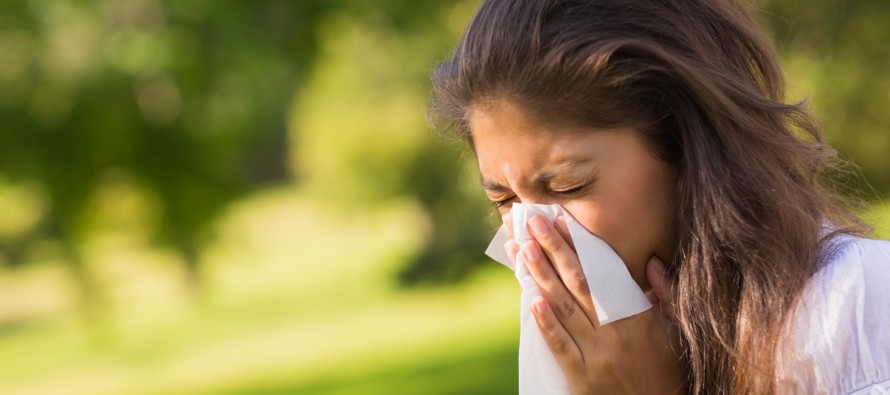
(630,223)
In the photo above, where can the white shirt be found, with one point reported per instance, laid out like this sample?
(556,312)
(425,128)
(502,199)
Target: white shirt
(841,332)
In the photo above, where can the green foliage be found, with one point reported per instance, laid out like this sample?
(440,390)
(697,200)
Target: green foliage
(187,103)
(361,137)
(835,53)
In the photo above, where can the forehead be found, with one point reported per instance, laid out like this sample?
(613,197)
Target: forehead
(499,123)
(507,140)
(506,117)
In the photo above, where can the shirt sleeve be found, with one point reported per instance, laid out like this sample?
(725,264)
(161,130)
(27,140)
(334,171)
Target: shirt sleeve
(839,338)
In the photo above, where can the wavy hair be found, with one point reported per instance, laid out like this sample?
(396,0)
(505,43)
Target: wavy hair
(702,83)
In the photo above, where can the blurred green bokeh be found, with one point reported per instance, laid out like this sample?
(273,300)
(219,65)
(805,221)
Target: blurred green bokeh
(223,197)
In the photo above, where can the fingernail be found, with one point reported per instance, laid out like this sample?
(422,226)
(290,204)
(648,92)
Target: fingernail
(659,265)
(531,251)
(538,305)
(539,227)
(510,247)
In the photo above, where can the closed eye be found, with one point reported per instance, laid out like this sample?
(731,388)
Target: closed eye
(502,202)
(568,191)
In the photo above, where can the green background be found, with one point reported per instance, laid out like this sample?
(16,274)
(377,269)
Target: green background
(243,197)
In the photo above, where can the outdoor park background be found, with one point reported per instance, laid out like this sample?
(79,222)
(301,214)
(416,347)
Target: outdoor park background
(242,197)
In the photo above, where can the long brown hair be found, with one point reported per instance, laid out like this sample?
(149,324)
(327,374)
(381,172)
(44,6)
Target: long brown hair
(702,83)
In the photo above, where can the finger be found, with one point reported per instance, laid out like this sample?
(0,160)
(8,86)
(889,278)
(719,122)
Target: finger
(662,310)
(570,313)
(512,249)
(507,219)
(566,262)
(563,228)
(560,342)
(662,286)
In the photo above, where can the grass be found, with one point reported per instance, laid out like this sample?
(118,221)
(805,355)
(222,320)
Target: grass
(299,299)
(482,371)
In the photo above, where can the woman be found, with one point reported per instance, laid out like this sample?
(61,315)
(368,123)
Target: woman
(660,126)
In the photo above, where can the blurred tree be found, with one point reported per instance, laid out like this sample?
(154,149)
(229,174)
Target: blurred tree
(185,99)
(362,138)
(835,53)
(185,102)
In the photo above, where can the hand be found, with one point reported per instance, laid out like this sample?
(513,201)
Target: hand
(638,354)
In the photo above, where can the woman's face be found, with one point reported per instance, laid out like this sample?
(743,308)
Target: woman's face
(609,180)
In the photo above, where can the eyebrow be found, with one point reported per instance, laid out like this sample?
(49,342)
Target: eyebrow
(493,186)
(541,179)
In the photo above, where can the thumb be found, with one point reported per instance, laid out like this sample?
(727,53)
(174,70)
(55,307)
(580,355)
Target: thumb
(662,286)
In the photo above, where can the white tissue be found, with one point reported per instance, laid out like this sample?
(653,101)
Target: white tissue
(615,294)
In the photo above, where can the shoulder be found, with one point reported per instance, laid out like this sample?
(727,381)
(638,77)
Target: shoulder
(840,334)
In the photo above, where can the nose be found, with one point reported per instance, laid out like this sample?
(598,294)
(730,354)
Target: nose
(534,199)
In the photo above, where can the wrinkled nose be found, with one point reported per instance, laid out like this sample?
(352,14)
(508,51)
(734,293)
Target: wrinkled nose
(534,199)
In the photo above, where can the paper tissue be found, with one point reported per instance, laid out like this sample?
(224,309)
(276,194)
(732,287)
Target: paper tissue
(615,294)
